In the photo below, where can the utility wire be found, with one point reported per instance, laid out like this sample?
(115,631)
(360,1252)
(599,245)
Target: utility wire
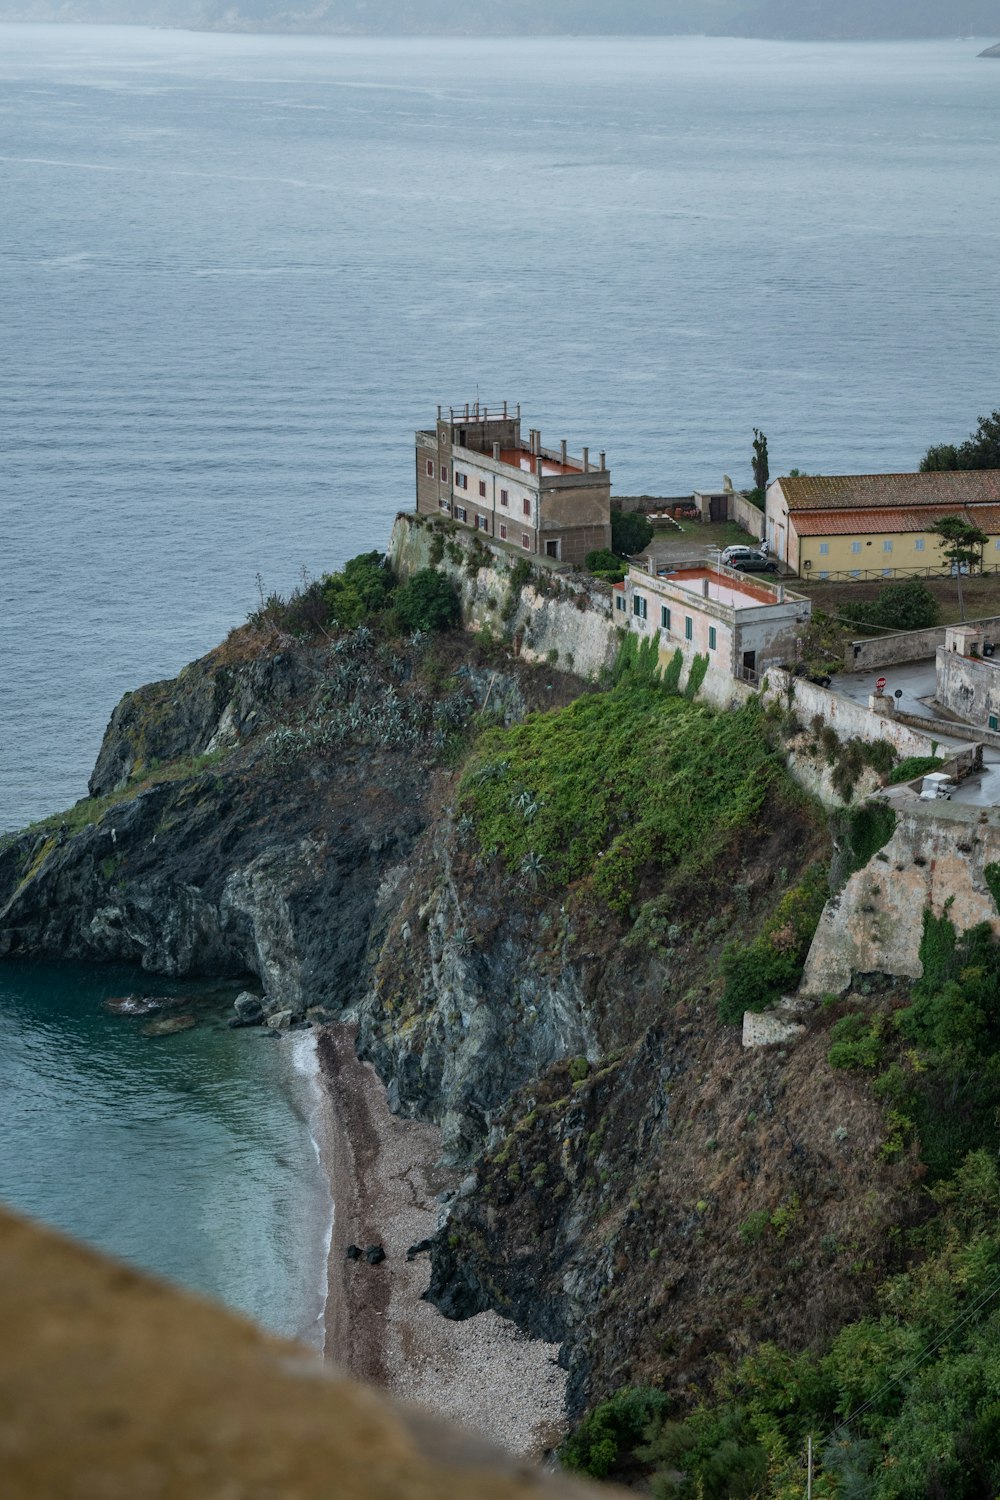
(990,1292)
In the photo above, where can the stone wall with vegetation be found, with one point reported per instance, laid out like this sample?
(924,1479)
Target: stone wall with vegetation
(546,613)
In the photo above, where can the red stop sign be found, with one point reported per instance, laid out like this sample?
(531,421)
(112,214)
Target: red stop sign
(879,684)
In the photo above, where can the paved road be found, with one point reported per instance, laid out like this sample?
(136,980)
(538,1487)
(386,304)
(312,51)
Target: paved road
(916,681)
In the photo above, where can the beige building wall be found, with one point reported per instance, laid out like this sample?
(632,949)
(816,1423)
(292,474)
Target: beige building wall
(867,552)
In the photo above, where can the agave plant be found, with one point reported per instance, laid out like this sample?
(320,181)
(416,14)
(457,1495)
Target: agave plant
(533,868)
(462,941)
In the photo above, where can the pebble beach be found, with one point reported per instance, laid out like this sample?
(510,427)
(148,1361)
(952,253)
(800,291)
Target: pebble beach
(481,1373)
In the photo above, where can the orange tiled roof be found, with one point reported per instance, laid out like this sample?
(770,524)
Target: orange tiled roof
(891,491)
(884,522)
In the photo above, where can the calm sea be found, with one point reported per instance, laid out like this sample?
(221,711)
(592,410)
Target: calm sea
(236,272)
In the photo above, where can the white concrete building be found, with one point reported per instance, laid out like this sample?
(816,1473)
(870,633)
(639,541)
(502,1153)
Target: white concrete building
(475,468)
(743,625)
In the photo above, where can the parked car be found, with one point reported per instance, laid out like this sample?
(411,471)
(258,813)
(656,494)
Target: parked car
(755,563)
(730,555)
(820,678)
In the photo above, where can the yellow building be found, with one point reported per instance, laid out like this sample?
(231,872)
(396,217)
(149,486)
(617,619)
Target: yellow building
(877,525)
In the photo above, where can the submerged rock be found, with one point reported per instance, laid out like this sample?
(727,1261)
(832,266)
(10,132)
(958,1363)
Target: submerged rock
(139,1005)
(249,1009)
(169,1025)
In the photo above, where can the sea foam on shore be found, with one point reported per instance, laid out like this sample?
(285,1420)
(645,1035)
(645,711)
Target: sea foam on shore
(310,1102)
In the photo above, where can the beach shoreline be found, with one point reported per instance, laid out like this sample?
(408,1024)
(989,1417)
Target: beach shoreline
(385,1178)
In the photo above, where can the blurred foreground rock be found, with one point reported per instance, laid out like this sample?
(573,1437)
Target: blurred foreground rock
(115,1386)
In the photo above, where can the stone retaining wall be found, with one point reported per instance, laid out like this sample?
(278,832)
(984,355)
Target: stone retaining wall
(561,617)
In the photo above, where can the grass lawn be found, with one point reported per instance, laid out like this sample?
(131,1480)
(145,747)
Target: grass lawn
(693,536)
(981,594)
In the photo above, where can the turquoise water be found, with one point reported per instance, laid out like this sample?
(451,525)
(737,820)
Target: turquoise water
(190,1155)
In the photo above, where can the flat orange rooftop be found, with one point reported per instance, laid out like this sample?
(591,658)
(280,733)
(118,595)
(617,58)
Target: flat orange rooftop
(520,458)
(721,590)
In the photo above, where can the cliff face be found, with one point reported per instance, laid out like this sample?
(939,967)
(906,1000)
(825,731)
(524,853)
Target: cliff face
(267,800)
(292,812)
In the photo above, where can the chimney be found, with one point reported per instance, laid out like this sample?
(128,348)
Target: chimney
(466,411)
(604,457)
(562,451)
(496,453)
(505,409)
(586,460)
(439,411)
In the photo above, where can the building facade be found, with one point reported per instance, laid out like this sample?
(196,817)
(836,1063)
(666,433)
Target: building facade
(475,467)
(743,625)
(968,675)
(860,525)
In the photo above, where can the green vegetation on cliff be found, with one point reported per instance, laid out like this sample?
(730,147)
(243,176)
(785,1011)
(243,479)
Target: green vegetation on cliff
(618,785)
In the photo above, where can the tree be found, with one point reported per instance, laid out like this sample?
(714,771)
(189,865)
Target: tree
(428,602)
(962,545)
(981,450)
(944,456)
(630,532)
(761,471)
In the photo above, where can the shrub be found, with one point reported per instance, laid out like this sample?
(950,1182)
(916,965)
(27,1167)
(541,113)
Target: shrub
(603,561)
(428,602)
(696,676)
(614,1427)
(860,832)
(857,1042)
(913,766)
(760,972)
(630,532)
(898,606)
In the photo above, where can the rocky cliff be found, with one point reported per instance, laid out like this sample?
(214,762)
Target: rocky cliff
(294,812)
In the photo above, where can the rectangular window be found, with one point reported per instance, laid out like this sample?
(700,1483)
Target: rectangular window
(526,507)
(918,545)
(430,468)
(503,533)
(992,721)
(855,546)
(688,628)
(445,504)
(887,545)
(664,617)
(711,638)
(460,513)
(886,572)
(620,602)
(823,576)
(444,473)
(824,549)
(461,481)
(482,489)
(639,606)
(504,497)
(525,541)
(481,523)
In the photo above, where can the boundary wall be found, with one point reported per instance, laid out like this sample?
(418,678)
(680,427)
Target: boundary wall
(907,645)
